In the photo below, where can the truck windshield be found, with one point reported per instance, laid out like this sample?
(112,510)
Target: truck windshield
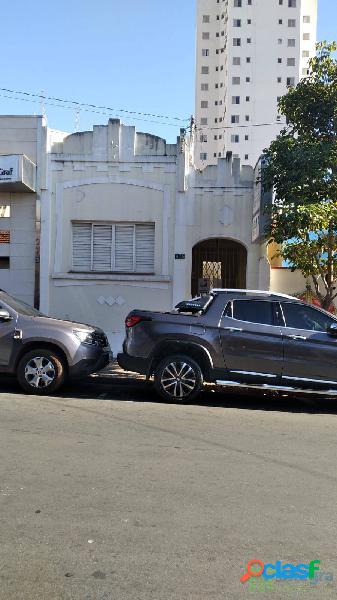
(18,306)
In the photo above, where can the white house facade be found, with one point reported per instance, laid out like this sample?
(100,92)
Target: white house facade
(128,222)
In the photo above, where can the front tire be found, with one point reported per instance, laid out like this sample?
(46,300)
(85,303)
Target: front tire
(41,372)
(178,378)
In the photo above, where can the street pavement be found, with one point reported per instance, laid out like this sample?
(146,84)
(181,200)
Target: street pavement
(107,492)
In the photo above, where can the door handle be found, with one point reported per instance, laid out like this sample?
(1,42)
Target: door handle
(233,329)
(297,337)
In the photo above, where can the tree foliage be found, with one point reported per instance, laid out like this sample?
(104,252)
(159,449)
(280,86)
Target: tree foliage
(301,165)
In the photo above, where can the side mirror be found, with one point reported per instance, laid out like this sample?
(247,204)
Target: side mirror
(332,329)
(5,317)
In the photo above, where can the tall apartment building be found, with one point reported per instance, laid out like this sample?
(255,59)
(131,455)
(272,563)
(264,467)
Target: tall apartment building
(248,53)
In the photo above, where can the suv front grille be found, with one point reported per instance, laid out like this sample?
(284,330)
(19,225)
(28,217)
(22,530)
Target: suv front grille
(101,339)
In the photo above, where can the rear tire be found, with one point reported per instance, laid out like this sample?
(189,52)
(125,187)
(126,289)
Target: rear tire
(41,372)
(178,378)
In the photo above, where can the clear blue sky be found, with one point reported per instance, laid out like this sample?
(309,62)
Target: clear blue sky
(133,55)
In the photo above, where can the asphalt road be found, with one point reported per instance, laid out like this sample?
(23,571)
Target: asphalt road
(108,493)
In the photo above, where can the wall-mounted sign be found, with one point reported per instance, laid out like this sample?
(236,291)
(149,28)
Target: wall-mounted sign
(17,173)
(9,168)
(180,256)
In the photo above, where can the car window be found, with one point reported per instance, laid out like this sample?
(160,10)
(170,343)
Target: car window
(253,311)
(18,306)
(300,316)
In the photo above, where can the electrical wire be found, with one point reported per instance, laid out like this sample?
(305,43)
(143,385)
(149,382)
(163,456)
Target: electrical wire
(93,106)
(89,110)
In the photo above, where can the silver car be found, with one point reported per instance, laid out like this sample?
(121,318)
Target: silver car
(43,352)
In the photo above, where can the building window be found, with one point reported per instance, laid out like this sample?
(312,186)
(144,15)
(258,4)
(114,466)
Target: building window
(249,2)
(214,155)
(279,80)
(236,80)
(292,3)
(246,157)
(280,41)
(5,237)
(249,40)
(236,22)
(306,19)
(291,62)
(236,41)
(291,22)
(203,121)
(235,139)
(305,72)
(235,119)
(203,155)
(279,60)
(247,79)
(203,137)
(248,59)
(4,262)
(205,35)
(5,211)
(305,54)
(246,138)
(306,36)
(220,137)
(127,247)
(290,81)
(291,43)
(238,3)
(205,18)
(280,2)
(204,103)
(236,60)
(215,137)
(280,21)
(205,52)
(247,117)
(249,21)
(247,98)
(204,87)
(204,70)
(235,99)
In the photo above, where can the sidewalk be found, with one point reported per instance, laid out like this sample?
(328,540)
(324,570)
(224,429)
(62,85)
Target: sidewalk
(114,371)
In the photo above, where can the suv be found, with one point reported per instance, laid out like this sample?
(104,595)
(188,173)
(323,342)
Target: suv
(43,352)
(238,338)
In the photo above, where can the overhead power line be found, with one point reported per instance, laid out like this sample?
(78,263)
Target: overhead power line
(76,103)
(90,110)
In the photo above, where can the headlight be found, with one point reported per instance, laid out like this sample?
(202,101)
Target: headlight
(85,336)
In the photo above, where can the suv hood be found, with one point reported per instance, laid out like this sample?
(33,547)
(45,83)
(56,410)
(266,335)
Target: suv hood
(50,322)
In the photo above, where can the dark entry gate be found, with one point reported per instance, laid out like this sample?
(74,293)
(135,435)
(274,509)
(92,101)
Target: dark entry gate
(218,263)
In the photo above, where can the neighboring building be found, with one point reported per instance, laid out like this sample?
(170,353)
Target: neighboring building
(248,53)
(22,181)
(129,223)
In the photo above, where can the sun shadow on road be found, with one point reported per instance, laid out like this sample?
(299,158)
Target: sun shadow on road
(137,390)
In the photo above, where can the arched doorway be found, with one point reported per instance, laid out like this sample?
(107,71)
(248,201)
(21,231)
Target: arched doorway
(218,263)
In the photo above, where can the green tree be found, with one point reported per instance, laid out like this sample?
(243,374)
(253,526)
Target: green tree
(301,165)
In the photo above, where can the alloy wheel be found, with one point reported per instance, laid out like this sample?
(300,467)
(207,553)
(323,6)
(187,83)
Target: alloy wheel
(178,379)
(40,372)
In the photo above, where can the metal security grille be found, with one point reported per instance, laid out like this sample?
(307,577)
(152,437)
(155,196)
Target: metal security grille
(218,263)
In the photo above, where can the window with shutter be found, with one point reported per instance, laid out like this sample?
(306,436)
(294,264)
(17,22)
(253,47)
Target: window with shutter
(124,244)
(108,247)
(82,246)
(145,248)
(101,248)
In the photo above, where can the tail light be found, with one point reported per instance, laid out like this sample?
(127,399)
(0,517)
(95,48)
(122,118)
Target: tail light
(132,320)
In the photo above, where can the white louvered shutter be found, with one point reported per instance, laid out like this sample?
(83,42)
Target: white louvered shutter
(124,247)
(81,246)
(102,240)
(145,248)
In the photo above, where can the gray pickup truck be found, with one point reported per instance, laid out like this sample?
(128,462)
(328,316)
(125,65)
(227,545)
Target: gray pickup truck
(236,338)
